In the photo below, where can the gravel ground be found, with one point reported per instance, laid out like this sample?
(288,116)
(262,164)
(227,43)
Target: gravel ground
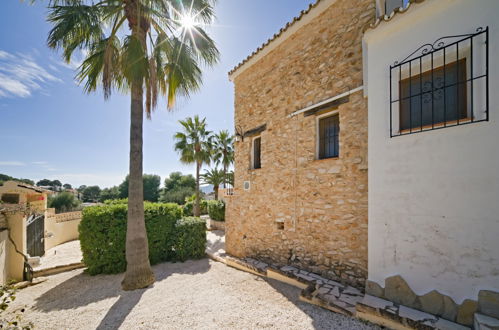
(200,294)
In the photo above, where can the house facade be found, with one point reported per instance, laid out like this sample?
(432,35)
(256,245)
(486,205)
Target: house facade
(432,76)
(300,193)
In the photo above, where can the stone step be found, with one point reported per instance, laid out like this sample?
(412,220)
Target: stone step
(390,315)
(485,322)
(249,265)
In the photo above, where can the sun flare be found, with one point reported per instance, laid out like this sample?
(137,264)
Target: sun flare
(188,21)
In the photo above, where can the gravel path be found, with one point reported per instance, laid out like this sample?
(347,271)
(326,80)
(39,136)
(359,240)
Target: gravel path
(64,254)
(200,294)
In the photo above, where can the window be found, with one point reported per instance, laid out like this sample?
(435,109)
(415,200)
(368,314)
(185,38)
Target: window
(329,131)
(441,84)
(256,161)
(10,198)
(424,101)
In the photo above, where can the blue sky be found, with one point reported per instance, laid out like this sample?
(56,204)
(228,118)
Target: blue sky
(50,129)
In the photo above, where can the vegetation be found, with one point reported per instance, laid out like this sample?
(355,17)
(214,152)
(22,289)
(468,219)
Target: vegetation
(5,177)
(54,185)
(190,240)
(150,183)
(223,152)
(188,207)
(135,45)
(216,210)
(194,144)
(109,193)
(103,231)
(177,188)
(91,194)
(13,320)
(64,202)
(214,177)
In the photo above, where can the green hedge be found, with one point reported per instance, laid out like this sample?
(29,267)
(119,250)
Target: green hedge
(190,238)
(189,208)
(103,234)
(216,210)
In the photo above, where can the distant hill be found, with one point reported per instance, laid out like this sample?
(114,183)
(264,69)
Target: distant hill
(5,177)
(207,188)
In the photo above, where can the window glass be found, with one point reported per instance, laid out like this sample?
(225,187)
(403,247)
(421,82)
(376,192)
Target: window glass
(257,152)
(329,131)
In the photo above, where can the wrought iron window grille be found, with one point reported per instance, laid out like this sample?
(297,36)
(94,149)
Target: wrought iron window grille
(440,85)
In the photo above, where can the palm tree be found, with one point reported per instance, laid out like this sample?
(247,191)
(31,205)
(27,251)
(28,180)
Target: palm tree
(224,151)
(214,177)
(195,146)
(144,47)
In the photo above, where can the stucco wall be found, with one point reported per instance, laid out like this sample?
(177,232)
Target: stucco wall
(15,261)
(61,228)
(3,257)
(433,196)
(322,204)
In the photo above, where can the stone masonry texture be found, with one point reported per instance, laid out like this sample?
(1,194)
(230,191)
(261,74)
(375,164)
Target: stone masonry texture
(322,203)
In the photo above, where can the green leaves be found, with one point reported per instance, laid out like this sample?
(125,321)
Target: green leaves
(117,54)
(194,144)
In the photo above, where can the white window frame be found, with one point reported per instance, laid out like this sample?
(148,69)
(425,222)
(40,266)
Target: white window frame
(317,134)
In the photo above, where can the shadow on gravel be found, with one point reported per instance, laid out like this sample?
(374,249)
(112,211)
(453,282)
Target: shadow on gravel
(83,289)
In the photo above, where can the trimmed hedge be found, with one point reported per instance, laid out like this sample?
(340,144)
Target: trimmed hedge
(189,208)
(190,238)
(103,234)
(216,210)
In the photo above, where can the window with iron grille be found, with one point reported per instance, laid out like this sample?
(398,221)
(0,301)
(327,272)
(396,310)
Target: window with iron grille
(329,132)
(257,148)
(441,85)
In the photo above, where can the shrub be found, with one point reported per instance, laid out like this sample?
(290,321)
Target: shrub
(64,202)
(116,201)
(216,210)
(190,238)
(103,234)
(189,207)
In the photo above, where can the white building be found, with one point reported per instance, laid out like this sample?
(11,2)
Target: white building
(434,150)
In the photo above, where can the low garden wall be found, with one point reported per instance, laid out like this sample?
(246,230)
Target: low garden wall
(61,228)
(171,237)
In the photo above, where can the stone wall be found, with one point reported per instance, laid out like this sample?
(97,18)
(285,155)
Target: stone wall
(299,210)
(61,228)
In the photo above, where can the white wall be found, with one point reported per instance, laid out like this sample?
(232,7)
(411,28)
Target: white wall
(433,196)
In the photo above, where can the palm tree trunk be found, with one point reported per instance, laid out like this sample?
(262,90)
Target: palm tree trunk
(225,176)
(197,211)
(216,192)
(138,270)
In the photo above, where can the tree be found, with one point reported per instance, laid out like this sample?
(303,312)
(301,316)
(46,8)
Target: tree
(230,178)
(67,186)
(177,188)
(44,183)
(63,202)
(132,45)
(151,183)
(214,177)
(109,193)
(224,151)
(91,194)
(4,177)
(195,147)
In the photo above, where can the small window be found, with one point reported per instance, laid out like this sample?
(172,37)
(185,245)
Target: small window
(434,97)
(329,132)
(10,198)
(257,150)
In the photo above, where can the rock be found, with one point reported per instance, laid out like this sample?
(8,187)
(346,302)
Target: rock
(465,312)
(398,291)
(488,303)
(432,302)
(374,289)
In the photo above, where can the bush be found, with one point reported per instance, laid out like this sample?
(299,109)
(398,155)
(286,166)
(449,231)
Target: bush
(189,207)
(216,210)
(116,201)
(103,234)
(190,238)
(64,202)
